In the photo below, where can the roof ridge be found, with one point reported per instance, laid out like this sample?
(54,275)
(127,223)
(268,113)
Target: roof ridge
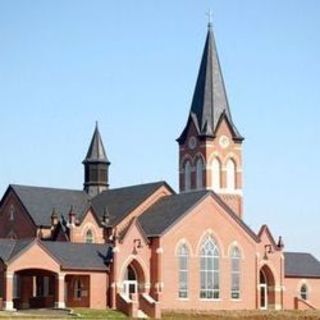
(13,185)
(138,185)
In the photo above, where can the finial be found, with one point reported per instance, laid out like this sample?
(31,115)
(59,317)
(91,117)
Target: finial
(97,124)
(210,15)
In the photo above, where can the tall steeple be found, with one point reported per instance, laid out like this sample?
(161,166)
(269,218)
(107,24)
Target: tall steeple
(96,166)
(210,144)
(210,101)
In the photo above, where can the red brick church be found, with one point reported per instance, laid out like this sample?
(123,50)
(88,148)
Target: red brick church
(143,249)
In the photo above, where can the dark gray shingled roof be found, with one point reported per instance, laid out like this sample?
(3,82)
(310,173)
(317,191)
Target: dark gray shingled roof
(70,255)
(39,202)
(80,255)
(299,264)
(210,100)
(9,247)
(155,220)
(122,201)
(96,151)
(168,210)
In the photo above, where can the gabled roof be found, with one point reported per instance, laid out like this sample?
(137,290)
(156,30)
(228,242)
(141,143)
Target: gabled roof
(120,202)
(86,256)
(10,248)
(96,151)
(166,212)
(300,264)
(210,102)
(39,202)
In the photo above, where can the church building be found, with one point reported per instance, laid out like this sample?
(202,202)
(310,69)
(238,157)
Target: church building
(145,249)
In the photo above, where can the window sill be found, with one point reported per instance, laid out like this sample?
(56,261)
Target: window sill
(212,300)
(183,299)
(236,300)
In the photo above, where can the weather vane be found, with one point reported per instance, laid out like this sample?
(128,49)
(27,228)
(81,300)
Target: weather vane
(210,15)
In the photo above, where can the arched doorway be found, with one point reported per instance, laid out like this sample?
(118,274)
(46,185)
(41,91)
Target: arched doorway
(34,288)
(133,280)
(266,289)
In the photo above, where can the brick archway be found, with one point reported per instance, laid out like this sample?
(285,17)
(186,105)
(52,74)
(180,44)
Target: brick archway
(266,288)
(133,278)
(34,288)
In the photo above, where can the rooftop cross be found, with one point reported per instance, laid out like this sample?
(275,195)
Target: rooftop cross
(210,15)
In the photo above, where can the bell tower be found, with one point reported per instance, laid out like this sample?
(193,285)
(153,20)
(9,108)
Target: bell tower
(210,146)
(96,166)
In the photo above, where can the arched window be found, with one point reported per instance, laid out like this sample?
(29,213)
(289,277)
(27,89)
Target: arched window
(235,273)
(89,236)
(199,173)
(187,176)
(183,259)
(216,174)
(304,292)
(209,270)
(231,174)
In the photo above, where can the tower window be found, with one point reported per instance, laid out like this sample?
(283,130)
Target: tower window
(231,175)
(216,174)
(187,176)
(199,173)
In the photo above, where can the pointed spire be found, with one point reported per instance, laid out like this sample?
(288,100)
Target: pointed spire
(96,151)
(210,100)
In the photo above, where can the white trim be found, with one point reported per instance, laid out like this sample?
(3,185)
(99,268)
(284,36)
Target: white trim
(238,192)
(116,249)
(8,306)
(159,250)
(59,305)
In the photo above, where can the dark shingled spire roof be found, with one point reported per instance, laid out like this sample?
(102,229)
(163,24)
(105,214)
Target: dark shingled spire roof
(96,152)
(210,100)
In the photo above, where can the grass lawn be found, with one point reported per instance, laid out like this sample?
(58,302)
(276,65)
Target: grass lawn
(245,315)
(214,315)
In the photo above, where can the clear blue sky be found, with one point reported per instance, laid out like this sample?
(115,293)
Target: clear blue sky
(132,66)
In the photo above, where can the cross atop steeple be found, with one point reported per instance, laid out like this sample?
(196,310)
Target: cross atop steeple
(209,13)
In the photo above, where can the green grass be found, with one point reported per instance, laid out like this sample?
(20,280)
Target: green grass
(244,315)
(99,314)
(193,315)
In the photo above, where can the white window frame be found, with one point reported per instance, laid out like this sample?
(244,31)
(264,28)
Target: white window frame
(183,254)
(209,270)
(235,273)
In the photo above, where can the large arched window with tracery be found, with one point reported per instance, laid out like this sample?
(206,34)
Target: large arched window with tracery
(183,260)
(199,173)
(231,174)
(209,269)
(187,176)
(216,174)
(235,273)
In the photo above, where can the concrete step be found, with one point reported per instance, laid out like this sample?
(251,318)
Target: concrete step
(141,315)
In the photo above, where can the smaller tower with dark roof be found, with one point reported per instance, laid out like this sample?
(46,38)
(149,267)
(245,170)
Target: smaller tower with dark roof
(96,166)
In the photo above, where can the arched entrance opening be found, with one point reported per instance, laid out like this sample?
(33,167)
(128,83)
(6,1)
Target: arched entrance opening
(34,288)
(133,280)
(266,288)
